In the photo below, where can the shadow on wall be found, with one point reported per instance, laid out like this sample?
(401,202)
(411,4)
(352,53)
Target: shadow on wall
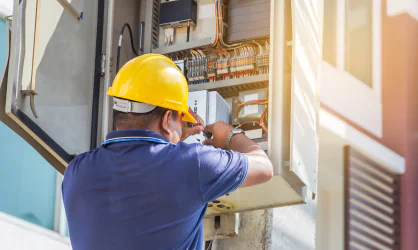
(65,64)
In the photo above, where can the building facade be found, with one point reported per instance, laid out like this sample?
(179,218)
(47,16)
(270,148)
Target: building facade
(368,124)
(368,97)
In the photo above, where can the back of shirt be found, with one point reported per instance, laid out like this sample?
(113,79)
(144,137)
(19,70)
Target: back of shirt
(146,195)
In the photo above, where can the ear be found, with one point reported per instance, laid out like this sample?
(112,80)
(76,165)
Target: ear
(166,121)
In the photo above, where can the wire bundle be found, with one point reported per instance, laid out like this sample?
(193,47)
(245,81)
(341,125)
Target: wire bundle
(263,117)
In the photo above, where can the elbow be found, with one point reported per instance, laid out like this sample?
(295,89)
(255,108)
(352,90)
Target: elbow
(260,170)
(268,171)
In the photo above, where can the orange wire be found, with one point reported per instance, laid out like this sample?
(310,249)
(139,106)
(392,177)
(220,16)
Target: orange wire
(259,123)
(216,37)
(262,121)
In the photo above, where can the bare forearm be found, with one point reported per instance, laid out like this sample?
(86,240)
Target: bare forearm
(260,168)
(241,143)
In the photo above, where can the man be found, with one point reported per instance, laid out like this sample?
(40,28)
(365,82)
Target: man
(144,188)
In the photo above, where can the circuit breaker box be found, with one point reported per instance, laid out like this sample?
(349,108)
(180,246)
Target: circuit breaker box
(61,61)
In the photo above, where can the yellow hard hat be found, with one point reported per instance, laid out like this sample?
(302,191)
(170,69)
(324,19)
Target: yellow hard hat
(151,80)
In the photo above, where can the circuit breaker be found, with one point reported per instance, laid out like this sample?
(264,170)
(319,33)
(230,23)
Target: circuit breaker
(211,107)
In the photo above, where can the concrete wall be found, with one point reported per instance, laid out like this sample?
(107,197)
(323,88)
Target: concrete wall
(294,227)
(275,229)
(252,232)
(21,235)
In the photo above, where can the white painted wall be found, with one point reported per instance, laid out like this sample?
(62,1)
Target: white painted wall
(6,8)
(330,220)
(16,234)
(334,135)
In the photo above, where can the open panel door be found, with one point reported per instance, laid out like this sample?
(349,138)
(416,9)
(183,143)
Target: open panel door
(293,110)
(51,74)
(306,61)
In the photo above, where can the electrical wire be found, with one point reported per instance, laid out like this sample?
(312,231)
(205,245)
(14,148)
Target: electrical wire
(262,117)
(213,238)
(120,44)
(188,31)
(252,102)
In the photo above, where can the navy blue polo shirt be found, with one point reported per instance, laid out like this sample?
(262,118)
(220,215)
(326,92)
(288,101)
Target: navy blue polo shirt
(146,194)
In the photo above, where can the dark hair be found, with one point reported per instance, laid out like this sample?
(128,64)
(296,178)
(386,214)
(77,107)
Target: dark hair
(140,121)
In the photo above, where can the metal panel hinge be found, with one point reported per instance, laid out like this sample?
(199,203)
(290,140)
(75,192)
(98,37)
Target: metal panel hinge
(102,65)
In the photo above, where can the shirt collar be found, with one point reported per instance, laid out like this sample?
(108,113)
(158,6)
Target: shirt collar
(134,133)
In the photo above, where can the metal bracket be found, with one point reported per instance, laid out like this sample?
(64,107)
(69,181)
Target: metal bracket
(224,226)
(67,6)
(32,94)
(103,65)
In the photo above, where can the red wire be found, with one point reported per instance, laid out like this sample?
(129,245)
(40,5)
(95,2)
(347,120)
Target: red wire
(260,123)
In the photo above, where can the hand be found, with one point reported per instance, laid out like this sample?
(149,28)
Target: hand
(217,134)
(188,131)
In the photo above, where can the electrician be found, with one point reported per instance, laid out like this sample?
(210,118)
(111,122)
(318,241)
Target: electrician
(144,188)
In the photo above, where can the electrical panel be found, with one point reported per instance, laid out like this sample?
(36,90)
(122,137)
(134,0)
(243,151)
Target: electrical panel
(198,102)
(175,13)
(200,30)
(259,55)
(219,109)
(180,65)
(248,19)
(211,107)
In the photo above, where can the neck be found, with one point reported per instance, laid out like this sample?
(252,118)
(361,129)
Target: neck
(154,129)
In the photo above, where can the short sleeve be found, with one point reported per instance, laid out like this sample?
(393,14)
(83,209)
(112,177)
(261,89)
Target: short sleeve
(220,171)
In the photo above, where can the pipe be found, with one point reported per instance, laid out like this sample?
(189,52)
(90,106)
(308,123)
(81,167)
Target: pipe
(97,76)
(107,120)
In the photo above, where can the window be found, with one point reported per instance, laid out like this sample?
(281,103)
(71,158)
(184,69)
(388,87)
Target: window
(354,39)
(330,32)
(27,181)
(358,40)
(351,68)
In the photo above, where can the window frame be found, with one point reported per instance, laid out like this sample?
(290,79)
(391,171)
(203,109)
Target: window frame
(349,96)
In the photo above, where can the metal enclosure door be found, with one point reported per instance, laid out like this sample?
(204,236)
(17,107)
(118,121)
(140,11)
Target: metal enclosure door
(51,75)
(306,61)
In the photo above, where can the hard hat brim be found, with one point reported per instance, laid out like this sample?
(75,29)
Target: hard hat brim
(189,116)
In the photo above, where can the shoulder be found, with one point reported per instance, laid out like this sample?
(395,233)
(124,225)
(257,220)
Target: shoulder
(197,149)
(78,159)
(78,163)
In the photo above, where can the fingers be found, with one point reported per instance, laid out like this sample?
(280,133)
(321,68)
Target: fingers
(208,142)
(199,120)
(208,130)
(195,130)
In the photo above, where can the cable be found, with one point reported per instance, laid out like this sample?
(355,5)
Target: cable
(188,31)
(120,44)
(252,102)
(213,238)
(262,117)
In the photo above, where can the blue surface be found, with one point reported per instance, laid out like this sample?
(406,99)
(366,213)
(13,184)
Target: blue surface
(146,193)
(2,43)
(27,181)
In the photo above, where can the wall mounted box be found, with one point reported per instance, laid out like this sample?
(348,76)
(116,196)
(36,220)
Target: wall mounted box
(69,100)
